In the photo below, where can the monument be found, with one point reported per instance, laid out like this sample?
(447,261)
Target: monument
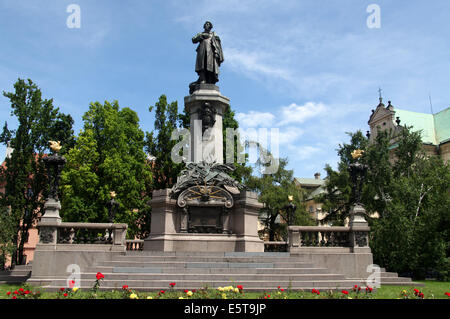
(206,210)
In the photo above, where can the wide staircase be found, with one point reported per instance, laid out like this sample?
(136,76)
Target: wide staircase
(152,271)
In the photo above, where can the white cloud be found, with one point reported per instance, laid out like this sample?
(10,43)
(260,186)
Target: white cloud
(255,119)
(300,113)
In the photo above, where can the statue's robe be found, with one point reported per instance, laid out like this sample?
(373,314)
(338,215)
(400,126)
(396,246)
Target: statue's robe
(206,50)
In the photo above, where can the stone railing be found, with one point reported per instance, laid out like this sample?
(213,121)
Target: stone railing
(135,244)
(82,233)
(352,238)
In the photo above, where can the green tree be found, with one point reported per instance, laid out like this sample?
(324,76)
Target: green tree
(159,144)
(273,190)
(108,156)
(336,199)
(409,192)
(7,225)
(24,174)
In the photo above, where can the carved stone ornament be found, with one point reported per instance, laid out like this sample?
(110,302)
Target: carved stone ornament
(205,196)
(208,174)
(361,238)
(46,235)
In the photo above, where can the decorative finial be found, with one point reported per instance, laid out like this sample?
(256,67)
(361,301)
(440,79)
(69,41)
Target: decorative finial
(112,194)
(55,146)
(290,198)
(379,92)
(397,120)
(357,154)
(368,134)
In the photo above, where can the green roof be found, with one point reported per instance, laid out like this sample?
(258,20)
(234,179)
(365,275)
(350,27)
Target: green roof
(435,127)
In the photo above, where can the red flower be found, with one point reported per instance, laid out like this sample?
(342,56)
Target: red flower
(21,289)
(186,291)
(26,292)
(162,291)
(193,290)
(345,292)
(100,276)
(65,294)
(15,292)
(416,291)
(71,283)
(9,293)
(61,289)
(125,287)
(447,294)
(240,287)
(14,297)
(279,287)
(268,296)
(172,284)
(421,295)
(315,291)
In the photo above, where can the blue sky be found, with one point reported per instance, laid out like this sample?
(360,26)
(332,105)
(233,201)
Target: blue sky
(312,68)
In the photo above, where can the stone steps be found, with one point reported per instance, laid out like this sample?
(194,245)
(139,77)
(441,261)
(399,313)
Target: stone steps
(255,285)
(153,271)
(19,274)
(190,265)
(201,271)
(214,277)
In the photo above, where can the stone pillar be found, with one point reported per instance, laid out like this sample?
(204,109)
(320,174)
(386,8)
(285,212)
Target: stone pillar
(359,230)
(206,146)
(245,223)
(48,225)
(164,221)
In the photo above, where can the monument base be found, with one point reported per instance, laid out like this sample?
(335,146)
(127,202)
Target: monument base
(168,233)
(203,242)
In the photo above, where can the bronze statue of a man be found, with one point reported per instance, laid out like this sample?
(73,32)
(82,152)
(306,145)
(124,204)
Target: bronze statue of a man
(209,55)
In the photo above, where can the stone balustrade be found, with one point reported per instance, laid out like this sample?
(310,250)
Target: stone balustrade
(349,238)
(135,244)
(82,233)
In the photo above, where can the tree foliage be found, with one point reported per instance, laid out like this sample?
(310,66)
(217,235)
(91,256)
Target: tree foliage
(108,156)
(24,175)
(273,190)
(408,190)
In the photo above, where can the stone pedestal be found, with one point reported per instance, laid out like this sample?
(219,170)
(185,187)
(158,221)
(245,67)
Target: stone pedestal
(359,230)
(169,230)
(206,145)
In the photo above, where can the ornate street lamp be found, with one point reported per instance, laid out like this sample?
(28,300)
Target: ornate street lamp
(290,210)
(54,164)
(357,172)
(112,207)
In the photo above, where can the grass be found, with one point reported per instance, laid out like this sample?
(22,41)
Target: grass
(431,290)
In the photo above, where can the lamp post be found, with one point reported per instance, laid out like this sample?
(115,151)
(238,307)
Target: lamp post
(357,172)
(112,207)
(54,164)
(290,210)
